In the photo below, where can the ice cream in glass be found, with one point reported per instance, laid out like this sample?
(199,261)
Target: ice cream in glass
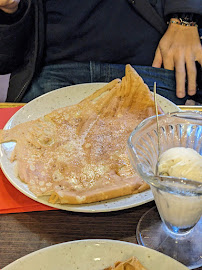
(173,169)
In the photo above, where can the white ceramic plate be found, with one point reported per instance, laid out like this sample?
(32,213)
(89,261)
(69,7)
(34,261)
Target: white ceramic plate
(45,104)
(94,255)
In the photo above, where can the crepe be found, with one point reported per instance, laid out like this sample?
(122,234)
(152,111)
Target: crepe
(78,154)
(130,264)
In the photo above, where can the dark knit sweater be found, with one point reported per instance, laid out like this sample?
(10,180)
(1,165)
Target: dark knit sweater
(98,30)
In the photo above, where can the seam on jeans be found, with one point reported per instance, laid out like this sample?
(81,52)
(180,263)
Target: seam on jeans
(91,71)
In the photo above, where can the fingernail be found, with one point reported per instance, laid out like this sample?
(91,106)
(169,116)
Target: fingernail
(180,94)
(191,92)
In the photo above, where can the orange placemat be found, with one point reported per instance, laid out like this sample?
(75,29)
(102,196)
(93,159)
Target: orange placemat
(12,200)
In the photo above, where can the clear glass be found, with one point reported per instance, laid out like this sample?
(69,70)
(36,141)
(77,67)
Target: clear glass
(178,200)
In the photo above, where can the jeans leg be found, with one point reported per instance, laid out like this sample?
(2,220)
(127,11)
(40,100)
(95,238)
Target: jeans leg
(57,76)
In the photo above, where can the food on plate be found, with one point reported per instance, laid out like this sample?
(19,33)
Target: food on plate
(130,264)
(181,162)
(78,154)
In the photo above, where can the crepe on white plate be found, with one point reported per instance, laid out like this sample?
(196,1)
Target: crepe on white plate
(47,103)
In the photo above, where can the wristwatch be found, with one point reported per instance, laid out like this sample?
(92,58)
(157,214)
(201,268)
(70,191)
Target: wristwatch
(186,19)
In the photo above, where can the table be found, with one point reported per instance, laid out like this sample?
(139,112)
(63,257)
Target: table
(26,232)
(23,233)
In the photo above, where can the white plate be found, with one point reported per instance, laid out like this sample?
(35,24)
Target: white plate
(47,103)
(93,254)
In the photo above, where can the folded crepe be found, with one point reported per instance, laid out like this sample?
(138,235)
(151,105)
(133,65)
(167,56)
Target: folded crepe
(130,264)
(78,154)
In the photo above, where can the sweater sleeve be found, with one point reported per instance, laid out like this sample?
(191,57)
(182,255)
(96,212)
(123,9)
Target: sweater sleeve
(15,32)
(183,6)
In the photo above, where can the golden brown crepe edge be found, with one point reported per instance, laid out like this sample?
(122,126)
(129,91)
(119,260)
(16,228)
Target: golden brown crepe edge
(136,185)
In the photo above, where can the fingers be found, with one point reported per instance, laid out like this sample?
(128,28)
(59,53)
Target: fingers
(191,76)
(157,62)
(178,50)
(183,68)
(168,62)
(177,62)
(5,3)
(180,71)
(186,67)
(180,76)
(9,6)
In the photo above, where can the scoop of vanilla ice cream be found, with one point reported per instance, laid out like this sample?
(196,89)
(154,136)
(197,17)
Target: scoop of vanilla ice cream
(181,162)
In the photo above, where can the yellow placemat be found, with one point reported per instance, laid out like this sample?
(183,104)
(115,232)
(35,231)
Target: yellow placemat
(190,108)
(10,105)
(182,107)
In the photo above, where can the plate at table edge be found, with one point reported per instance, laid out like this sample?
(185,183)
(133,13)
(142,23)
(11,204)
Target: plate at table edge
(93,254)
(46,103)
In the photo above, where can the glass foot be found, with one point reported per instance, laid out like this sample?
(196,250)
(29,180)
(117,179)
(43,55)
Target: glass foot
(187,249)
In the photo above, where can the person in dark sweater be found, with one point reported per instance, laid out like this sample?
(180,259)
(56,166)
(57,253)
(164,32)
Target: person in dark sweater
(50,44)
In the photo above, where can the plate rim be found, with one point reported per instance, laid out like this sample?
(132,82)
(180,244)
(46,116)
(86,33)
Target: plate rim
(121,243)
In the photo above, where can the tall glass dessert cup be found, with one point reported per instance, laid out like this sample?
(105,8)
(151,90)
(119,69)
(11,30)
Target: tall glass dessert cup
(174,226)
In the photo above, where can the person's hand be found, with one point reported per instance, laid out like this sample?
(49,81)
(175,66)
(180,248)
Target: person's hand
(9,6)
(178,49)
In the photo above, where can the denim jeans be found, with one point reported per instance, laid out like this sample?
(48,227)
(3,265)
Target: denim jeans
(60,75)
